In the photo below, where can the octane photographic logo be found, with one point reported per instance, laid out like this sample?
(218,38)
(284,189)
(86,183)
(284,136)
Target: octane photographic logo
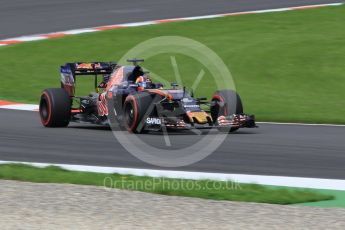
(197,145)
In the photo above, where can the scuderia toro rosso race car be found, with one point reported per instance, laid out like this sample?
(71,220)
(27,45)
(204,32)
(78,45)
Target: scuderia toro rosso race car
(136,103)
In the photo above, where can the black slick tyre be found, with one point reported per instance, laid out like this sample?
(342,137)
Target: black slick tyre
(134,110)
(226,103)
(55,107)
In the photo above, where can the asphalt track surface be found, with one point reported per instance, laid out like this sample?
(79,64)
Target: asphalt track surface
(26,17)
(281,150)
(303,151)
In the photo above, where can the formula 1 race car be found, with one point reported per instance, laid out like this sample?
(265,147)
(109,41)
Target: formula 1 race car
(128,95)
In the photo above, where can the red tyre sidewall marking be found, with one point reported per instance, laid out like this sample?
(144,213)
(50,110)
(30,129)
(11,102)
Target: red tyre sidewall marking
(45,94)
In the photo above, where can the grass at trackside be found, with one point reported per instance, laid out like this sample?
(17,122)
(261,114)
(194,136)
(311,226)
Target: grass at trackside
(288,66)
(338,202)
(206,189)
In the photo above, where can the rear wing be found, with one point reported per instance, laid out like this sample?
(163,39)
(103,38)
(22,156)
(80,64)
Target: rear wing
(69,71)
(88,68)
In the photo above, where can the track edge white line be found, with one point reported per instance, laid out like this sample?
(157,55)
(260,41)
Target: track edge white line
(297,182)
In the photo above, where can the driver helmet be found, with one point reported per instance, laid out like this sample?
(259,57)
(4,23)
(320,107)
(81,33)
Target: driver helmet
(143,82)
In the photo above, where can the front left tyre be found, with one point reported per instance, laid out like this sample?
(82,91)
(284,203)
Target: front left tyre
(55,107)
(135,108)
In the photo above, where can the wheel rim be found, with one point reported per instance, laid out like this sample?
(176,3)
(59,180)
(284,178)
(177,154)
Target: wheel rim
(129,114)
(44,110)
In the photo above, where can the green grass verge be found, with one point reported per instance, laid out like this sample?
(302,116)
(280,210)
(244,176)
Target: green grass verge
(337,202)
(287,66)
(206,189)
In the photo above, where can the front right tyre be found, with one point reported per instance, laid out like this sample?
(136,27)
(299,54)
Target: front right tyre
(226,103)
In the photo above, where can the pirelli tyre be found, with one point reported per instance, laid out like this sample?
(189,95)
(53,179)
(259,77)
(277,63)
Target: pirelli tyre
(135,108)
(226,103)
(55,107)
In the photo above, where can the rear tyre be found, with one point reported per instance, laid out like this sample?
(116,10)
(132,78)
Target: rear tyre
(135,107)
(226,103)
(55,107)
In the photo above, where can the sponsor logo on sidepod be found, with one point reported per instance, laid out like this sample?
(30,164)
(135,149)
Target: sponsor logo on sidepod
(153,121)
